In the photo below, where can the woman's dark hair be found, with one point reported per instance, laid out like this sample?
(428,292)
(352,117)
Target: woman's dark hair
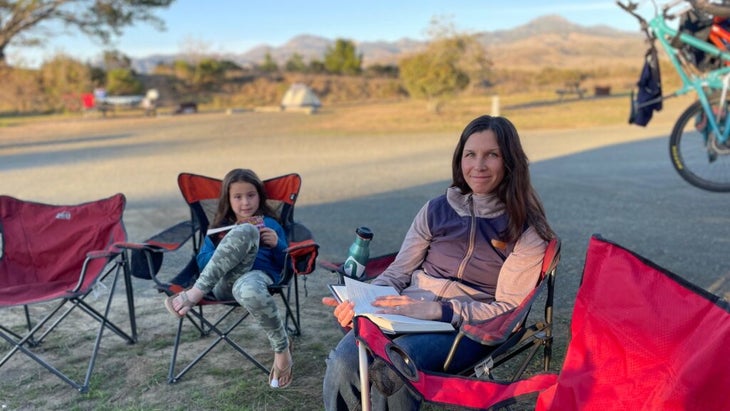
(225,215)
(515,191)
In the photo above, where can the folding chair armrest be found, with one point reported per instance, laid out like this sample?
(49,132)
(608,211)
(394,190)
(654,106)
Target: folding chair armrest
(493,331)
(374,267)
(146,257)
(303,256)
(148,250)
(148,247)
(488,336)
(132,246)
(111,251)
(552,256)
(329,265)
(302,247)
(172,238)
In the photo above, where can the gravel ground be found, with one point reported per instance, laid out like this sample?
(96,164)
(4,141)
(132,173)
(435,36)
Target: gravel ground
(616,181)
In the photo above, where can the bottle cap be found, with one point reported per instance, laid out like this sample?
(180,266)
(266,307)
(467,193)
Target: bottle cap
(364,233)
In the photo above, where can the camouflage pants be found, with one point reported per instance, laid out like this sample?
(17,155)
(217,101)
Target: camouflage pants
(228,274)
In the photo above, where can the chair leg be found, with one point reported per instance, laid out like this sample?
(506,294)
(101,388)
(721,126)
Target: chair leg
(362,356)
(130,294)
(31,342)
(547,353)
(220,336)
(18,346)
(296,298)
(78,302)
(21,341)
(28,339)
(171,373)
(290,316)
(104,323)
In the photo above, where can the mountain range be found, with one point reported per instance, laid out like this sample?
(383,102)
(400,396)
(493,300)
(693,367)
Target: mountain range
(546,41)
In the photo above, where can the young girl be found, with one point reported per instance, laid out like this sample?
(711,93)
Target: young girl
(242,263)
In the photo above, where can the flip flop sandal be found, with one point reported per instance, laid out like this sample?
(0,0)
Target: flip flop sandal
(186,303)
(286,372)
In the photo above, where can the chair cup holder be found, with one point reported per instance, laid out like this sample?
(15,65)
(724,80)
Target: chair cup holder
(402,362)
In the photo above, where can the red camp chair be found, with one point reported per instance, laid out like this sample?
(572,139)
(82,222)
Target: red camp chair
(642,338)
(201,193)
(511,335)
(58,255)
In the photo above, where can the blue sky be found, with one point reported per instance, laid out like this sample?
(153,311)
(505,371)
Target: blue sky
(236,26)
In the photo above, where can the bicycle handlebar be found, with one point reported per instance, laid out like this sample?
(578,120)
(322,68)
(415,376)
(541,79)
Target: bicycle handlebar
(629,7)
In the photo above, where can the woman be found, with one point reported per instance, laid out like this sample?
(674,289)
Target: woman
(469,255)
(241,263)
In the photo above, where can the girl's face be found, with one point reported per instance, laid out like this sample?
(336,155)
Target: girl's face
(244,199)
(482,163)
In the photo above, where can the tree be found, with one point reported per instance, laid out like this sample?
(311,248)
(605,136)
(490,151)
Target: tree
(342,58)
(269,65)
(123,81)
(63,80)
(183,70)
(296,63)
(451,62)
(316,67)
(208,73)
(114,59)
(425,75)
(27,23)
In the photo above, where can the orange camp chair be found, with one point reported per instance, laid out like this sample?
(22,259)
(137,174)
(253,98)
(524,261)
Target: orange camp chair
(201,193)
(59,254)
(642,338)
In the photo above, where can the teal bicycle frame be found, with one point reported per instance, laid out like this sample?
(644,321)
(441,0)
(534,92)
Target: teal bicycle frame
(714,80)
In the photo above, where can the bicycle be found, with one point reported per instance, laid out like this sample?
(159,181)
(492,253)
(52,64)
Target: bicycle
(699,146)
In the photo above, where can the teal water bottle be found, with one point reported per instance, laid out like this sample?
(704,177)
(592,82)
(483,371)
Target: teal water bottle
(359,253)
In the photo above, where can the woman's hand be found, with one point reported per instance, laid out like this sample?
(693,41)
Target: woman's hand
(344,311)
(268,237)
(403,305)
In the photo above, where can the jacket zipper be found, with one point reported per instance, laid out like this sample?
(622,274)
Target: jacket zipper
(472,235)
(469,250)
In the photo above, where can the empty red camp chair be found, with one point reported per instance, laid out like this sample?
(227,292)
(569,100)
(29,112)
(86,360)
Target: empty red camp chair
(201,193)
(58,254)
(642,338)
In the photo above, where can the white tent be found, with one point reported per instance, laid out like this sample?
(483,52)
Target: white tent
(300,96)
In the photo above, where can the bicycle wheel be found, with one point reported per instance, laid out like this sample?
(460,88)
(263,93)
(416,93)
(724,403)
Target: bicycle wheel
(696,154)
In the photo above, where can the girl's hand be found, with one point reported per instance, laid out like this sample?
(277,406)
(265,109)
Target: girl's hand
(403,305)
(268,237)
(344,311)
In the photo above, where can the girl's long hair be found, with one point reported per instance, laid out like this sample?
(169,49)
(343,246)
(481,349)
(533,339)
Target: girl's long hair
(224,215)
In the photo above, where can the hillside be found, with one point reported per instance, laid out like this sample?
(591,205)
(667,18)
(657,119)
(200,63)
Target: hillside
(538,57)
(546,41)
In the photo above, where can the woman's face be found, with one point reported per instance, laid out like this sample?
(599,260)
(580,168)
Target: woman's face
(482,163)
(244,199)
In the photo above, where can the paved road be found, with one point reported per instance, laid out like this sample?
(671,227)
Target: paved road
(616,181)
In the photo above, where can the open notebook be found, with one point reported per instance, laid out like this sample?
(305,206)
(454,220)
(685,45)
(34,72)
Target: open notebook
(362,294)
